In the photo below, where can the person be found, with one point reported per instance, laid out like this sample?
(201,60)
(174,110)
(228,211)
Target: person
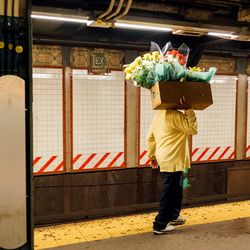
(168,148)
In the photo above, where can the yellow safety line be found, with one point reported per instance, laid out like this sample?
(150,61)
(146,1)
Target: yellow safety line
(66,234)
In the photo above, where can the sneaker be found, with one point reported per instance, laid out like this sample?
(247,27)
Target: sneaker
(178,221)
(169,228)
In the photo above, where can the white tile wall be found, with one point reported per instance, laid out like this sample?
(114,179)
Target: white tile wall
(147,114)
(47,119)
(98,120)
(216,124)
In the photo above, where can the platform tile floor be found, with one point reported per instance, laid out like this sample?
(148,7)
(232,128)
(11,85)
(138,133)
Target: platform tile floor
(99,229)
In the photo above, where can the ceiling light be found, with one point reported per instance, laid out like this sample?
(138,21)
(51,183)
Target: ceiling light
(142,26)
(188,32)
(60,18)
(221,34)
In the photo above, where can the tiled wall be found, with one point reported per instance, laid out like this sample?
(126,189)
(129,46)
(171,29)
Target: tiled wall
(216,124)
(98,120)
(146,116)
(47,120)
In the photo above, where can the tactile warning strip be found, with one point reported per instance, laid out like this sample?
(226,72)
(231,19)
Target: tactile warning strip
(66,234)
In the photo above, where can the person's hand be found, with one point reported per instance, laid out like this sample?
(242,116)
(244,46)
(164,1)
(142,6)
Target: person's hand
(182,100)
(154,164)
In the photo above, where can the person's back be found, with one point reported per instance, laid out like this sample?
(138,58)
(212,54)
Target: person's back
(167,145)
(167,139)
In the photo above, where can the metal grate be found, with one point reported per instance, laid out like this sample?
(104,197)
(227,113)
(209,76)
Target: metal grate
(47,120)
(98,120)
(216,124)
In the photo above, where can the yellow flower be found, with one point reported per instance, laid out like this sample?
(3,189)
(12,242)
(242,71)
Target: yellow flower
(138,60)
(128,70)
(132,66)
(195,68)
(137,63)
(128,76)
(147,57)
(156,56)
(155,53)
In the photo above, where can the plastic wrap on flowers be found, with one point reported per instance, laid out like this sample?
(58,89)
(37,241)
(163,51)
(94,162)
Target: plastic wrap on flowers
(164,64)
(169,71)
(199,76)
(184,51)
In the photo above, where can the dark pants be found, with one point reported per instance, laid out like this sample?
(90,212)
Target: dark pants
(171,199)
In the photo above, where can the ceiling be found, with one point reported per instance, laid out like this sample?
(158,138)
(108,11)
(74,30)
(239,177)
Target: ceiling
(189,20)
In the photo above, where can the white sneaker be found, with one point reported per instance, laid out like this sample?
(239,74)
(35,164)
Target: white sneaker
(169,228)
(178,221)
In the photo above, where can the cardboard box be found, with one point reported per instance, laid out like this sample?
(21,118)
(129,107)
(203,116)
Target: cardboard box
(166,95)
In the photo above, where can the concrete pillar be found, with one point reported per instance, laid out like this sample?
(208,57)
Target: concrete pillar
(132,118)
(241,117)
(67,119)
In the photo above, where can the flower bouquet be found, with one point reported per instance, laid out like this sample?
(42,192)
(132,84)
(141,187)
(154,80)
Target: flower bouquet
(165,64)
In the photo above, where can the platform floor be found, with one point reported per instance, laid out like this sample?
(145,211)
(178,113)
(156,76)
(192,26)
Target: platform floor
(223,226)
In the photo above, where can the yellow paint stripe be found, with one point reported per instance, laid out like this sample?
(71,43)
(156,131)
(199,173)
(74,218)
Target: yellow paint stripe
(72,233)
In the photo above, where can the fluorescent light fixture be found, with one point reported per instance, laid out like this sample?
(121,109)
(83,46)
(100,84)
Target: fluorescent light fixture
(221,34)
(142,26)
(89,22)
(60,18)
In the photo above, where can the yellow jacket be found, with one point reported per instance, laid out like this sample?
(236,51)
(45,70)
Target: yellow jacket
(167,139)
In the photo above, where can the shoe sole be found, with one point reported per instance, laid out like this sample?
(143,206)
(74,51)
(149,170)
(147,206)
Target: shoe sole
(175,223)
(160,232)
